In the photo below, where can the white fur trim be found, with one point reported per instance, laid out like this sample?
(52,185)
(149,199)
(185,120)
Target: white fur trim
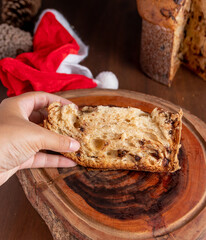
(75,69)
(107,80)
(70,63)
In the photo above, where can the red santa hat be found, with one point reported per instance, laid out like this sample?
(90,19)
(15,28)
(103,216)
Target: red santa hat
(54,63)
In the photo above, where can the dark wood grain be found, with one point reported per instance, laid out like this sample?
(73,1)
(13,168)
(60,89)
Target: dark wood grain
(112,30)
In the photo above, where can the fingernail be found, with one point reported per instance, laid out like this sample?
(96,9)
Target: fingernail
(74,145)
(72,164)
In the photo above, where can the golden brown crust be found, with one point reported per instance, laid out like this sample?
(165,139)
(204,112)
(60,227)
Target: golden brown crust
(120,138)
(161,12)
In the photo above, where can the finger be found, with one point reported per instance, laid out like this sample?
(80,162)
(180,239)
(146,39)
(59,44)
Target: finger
(38,116)
(32,101)
(44,160)
(49,140)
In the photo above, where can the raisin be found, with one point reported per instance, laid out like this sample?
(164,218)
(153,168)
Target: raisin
(168,150)
(137,158)
(165,162)
(168,120)
(81,129)
(173,122)
(141,142)
(170,132)
(167,13)
(121,153)
(156,154)
(200,18)
(78,154)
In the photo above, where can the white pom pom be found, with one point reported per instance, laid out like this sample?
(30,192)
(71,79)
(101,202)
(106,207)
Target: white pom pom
(107,80)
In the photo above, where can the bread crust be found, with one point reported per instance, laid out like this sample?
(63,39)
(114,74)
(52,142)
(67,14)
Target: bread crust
(162,13)
(80,125)
(156,52)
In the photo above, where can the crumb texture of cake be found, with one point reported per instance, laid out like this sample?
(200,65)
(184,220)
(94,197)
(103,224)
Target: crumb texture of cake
(162,33)
(119,138)
(193,48)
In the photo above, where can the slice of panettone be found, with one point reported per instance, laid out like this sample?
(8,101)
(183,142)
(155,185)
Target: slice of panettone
(119,138)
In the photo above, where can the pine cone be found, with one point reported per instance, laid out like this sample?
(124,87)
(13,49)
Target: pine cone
(18,12)
(13,41)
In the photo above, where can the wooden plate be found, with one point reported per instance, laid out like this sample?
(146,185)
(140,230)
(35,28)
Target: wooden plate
(98,204)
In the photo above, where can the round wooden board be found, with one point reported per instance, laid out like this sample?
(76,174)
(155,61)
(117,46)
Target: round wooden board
(79,203)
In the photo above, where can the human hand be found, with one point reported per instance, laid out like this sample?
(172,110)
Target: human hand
(21,138)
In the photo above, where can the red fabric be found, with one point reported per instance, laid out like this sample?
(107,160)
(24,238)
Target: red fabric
(37,70)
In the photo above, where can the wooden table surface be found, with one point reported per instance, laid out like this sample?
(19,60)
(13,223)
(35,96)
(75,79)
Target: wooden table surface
(112,30)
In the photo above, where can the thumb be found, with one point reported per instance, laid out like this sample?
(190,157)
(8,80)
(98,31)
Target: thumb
(39,160)
(57,142)
(42,160)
